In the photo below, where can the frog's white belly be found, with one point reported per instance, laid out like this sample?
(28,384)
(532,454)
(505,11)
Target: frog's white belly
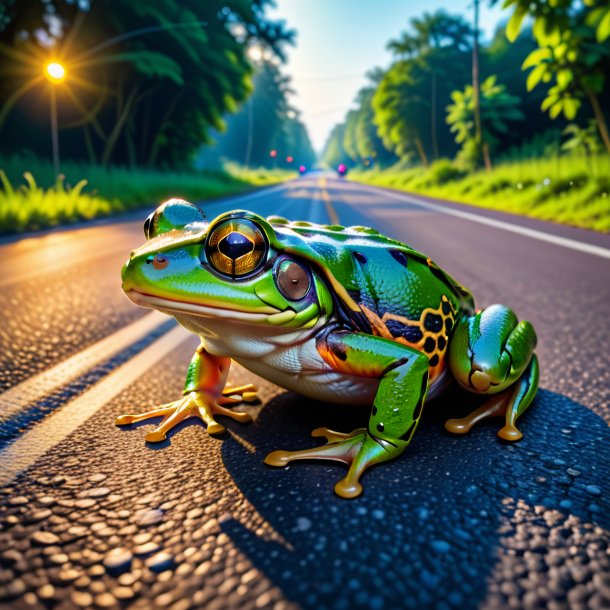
(289,359)
(301,369)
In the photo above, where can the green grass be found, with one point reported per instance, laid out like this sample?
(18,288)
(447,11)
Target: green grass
(31,198)
(567,189)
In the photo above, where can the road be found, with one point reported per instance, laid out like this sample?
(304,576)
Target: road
(92,516)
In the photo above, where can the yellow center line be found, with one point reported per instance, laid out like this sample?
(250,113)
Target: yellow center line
(28,448)
(330,209)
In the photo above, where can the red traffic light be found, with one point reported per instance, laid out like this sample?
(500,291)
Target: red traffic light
(273,153)
(289,159)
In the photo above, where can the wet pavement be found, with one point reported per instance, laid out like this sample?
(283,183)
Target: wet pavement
(105,520)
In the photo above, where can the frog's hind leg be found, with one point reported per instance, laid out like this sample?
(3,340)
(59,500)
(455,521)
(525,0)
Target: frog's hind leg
(510,403)
(495,407)
(520,399)
(492,353)
(403,374)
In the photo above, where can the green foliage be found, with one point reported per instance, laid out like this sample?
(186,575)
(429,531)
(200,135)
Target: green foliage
(498,108)
(582,140)
(433,59)
(571,189)
(570,59)
(443,171)
(266,122)
(146,80)
(334,153)
(27,204)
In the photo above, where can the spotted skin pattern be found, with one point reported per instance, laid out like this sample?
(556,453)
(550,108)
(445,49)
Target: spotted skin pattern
(430,334)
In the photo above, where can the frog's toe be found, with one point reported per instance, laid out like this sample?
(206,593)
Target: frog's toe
(347,488)
(278,458)
(510,433)
(330,435)
(216,428)
(494,407)
(234,395)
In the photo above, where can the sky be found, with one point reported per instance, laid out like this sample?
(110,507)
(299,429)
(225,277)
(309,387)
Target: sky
(339,41)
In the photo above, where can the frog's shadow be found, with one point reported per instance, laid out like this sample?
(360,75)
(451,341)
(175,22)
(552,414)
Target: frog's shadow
(438,506)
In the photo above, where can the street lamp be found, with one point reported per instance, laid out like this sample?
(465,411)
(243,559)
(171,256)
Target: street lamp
(56,74)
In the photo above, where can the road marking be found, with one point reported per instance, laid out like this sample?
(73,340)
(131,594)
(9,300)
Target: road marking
(28,448)
(330,209)
(22,396)
(499,224)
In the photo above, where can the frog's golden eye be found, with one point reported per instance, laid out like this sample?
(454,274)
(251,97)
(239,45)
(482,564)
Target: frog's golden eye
(237,247)
(292,279)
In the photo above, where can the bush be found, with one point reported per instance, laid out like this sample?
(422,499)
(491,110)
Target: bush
(443,171)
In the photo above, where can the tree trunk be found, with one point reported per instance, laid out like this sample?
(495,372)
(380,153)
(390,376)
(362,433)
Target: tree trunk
(422,152)
(599,118)
(89,145)
(476,85)
(154,148)
(433,114)
(486,157)
(122,116)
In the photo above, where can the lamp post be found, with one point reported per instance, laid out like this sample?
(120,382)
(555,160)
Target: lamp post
(55,73)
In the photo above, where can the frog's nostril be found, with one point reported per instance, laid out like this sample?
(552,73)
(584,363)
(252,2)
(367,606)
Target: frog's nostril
(159,261)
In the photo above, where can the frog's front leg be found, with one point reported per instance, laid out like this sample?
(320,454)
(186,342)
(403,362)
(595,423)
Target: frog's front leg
(403,374)
(492,353)
(205,394)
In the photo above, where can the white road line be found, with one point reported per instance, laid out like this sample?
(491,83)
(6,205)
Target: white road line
(499,224)
(25,451)
(21,396)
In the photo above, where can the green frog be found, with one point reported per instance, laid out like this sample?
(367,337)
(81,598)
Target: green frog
(339,314)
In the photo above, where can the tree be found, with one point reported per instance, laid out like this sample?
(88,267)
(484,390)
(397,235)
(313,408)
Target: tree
(266,122)
(146,80)
(401,107)
(570,56)
(497,109)
(333,152)
(438,43)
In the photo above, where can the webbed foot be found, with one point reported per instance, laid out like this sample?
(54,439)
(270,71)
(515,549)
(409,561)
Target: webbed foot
(358,450)
(510,404)
(198,404)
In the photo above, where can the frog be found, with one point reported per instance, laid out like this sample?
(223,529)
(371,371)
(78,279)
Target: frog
(343,315)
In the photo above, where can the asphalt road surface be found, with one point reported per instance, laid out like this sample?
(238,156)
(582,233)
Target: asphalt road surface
(92,516)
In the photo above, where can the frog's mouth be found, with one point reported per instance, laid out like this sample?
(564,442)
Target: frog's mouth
(264,314)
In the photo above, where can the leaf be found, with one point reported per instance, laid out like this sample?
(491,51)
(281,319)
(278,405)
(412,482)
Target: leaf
(570,107)
(514,25)
(536,56)
(535,75)
(564,78)
(548,102)
(601,18)
(149,63)
(555,110)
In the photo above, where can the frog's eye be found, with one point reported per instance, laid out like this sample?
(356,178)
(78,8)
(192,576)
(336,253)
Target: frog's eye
(173,214)
(147,226)
(236,247)
(292,279)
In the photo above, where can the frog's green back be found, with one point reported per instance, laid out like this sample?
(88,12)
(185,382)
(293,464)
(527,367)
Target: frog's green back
(383,286)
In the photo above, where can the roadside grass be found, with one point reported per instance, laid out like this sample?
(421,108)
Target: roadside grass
(31,198)
(567,189)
